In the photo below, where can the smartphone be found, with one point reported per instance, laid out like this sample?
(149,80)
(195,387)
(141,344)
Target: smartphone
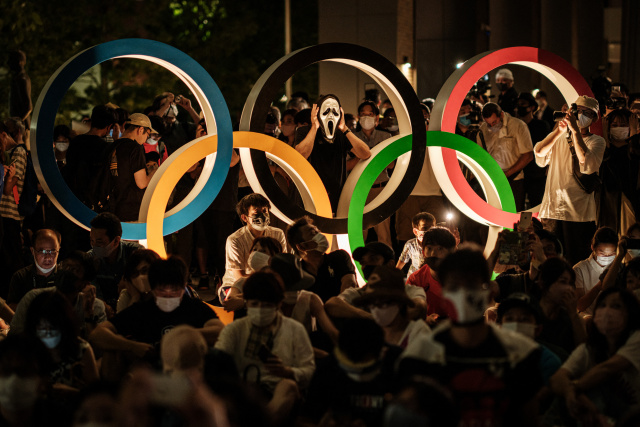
(525,220)
(169,390)
(512,250)
(264,353)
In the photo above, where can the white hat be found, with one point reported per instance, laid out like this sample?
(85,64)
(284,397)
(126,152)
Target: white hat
(505,73)
(587,102)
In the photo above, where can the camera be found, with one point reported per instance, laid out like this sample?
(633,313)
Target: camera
(560,115)
(616,103)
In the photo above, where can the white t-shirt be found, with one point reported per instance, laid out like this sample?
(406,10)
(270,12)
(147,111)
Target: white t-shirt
(588,273)
(563,198)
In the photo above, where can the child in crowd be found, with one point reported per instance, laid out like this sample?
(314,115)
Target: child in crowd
(412,251)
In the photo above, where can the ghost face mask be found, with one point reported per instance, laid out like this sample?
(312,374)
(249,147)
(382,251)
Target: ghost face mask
(329,116)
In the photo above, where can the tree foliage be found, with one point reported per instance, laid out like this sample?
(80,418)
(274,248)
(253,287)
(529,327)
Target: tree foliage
(234,41)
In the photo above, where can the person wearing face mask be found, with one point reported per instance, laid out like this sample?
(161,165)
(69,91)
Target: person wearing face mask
(566,209)
(253,210)
(601,378)
(24,367)
(368,117)
(388,303)
(507,139)
(620,171)
(40,274)
(136,278)
(544,111)
(288,127)
(351,387)
(437,243)
(262,249)
(535,177)
(111,254)
(617,273)
(590,270)
(51,319)
(327,143)
(136,331)
(61,136)
(176,133)
(492,374)
(562,326)
(412,251)
(508,98)
(268,347)
(519,313)
(334,271)
(154,143)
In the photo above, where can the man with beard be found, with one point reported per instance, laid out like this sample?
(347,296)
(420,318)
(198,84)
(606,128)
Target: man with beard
(327,150)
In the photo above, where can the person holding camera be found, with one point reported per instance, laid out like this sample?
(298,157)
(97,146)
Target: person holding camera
(571,209)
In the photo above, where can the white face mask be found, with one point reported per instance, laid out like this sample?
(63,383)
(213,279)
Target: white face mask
(261,316)
(321,241)
(367,122)
(62,146)
(469,305)
(383,316)
(152,141)
(393,128)
(584,121)
(18,393)
(168,304)
(604,261)
(527,329)
(258,260)
(43,270)
(260,222)
(51,338)
(141,283)
(619,133)
(633,252)
(495,128)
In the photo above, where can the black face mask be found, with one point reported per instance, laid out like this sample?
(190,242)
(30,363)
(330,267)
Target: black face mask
(502,86)
(433,263)
(522,111)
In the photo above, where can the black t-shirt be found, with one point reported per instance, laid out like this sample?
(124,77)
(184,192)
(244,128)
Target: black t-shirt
(27,279)
(329,277)
(145,322)
(85,156)
(558,332)
(538,130)
(487,389)
(329,159)
(179,134)
(509,101)
(129,159)
(331,389)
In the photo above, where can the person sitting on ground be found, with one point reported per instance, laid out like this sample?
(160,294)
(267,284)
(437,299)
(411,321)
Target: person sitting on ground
(387,301)
(51,319)
(253,210)
(412,251)
(183,350)
(111,253)
(136,278)
(270,347)
(437,243)
(138,329)
(372,257)
(334,271)
(600,378)
(40,274)
(493,374)
(589,271)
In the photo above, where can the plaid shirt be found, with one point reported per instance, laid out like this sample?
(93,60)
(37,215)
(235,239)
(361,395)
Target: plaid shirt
(257,338)
(8,205)
(412,252)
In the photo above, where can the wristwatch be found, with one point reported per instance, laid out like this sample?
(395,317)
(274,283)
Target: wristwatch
(347,131)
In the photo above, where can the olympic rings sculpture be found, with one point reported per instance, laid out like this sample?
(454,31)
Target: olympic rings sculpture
(408,149)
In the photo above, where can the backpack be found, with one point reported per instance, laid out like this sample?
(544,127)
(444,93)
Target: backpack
(28,199)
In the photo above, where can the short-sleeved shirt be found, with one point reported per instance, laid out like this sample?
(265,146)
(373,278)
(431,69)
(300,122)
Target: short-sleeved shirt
(27,279)
(145,322)
(129,159)
(329,159)
(108,275)
(8,205)
(335,265)
(506,146)
(436,304)
(538,130)
(377,136)
(412,253)
(85,156)
(564,199)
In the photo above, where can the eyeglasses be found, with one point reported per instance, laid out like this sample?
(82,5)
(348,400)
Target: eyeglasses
(46,252)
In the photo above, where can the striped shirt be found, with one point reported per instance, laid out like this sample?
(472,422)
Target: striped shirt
(8,205)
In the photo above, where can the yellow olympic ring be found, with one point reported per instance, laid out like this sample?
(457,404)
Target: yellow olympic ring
(157,195)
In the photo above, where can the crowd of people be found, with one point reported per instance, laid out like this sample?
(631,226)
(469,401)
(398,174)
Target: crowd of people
(254,322)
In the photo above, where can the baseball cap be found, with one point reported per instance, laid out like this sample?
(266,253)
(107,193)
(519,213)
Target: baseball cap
(139,119)
(377,248)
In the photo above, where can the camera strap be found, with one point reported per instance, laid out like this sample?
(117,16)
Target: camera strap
(588,182)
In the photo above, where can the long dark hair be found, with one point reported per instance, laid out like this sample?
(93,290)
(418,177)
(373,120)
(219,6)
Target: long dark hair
(596,341)
(57,310)
(550,272)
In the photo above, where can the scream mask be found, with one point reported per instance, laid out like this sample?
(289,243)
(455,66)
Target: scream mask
(329,116)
